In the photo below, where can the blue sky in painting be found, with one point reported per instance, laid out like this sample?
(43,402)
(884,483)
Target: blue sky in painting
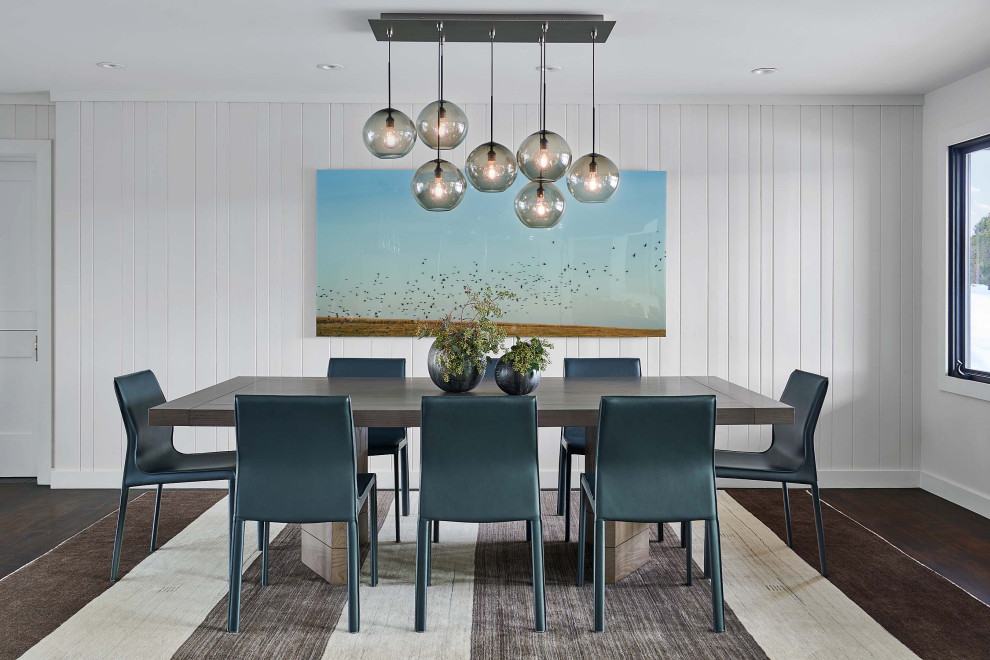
(379,255)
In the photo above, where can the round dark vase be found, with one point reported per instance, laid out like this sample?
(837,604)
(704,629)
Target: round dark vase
(512,382)
(469,378)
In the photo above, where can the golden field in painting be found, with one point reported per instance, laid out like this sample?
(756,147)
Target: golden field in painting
(335,326)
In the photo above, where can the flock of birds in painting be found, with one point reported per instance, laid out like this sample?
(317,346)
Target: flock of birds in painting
(432,291)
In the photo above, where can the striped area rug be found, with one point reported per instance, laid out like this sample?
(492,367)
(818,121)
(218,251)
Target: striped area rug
(173,602)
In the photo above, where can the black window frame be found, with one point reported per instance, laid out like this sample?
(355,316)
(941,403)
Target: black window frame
(958,197)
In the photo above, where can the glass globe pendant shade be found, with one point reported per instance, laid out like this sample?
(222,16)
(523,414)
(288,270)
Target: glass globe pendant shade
(442,125)
(593,178)
(540,205)
(543,156)
(491,167)
(438,185)
(389,133)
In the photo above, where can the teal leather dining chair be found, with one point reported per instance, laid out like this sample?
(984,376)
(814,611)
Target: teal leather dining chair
(152,460)
(479,464)
(654,462)
(791,455)
(384,441)
(572,440)
(297,463)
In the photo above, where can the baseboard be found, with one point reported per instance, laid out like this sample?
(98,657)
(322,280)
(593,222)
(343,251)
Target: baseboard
(956,493)
(548,480)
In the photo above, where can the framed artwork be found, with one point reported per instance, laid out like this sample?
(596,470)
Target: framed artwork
(384,264)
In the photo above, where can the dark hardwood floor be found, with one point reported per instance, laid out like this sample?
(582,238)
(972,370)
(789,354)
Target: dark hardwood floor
(34,519)
(945,537)
(951,540)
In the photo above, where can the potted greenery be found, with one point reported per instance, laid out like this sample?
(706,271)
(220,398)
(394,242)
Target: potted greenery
(464,338)
(518,371)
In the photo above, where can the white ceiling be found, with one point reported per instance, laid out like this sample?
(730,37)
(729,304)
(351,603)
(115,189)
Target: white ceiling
(267,47)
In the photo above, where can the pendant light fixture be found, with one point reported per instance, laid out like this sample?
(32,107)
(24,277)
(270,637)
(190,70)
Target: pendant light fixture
(438,185)
(593,178)
(389,133)
(441,124)
(544,155)
(540,205)
(491,167)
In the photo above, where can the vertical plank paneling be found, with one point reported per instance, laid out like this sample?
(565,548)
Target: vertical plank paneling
(694,239)
(315,156)
(767,252)
(670,162)
(206,259)
(274,239)
(127,243)
(181,245)
(866,285)
(156,169)
(906,251)
(843,284)
(811,239)
(756,262)
(241,237)
(891,283)
(786,243)
(140,235)
(292,239)
(825,437)
(106,283)
(738,262)
(86,274)
(262,299)
(225,437)
(67,299)
(718,250)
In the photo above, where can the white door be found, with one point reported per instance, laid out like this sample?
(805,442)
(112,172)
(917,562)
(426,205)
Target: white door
(25,400)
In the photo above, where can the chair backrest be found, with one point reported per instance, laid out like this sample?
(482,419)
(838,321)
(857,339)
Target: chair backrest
(479,459)
(655,458)
(805,392)
(366,368)
(146,445)
(602,368)
(295,459)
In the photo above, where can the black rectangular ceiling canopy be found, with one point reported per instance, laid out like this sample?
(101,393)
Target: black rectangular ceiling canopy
(509,28)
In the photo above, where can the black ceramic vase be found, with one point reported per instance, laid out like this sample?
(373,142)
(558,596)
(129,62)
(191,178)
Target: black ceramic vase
(467,380)
(512,382)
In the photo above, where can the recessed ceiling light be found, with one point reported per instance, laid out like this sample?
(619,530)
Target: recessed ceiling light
(550,68)
(330,67)
(764,71)
(110,65)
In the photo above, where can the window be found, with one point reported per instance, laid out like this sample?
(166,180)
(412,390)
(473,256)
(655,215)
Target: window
(969,260)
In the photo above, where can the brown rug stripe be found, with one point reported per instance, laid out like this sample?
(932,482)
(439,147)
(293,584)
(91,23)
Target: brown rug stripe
(40,597)
(651,613)
(292,617)
(927,613)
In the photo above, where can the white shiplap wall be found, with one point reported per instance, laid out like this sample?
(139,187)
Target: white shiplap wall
(184,242)
(27,122)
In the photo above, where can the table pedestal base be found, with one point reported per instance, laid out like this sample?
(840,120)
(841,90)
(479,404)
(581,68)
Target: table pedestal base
(324,545)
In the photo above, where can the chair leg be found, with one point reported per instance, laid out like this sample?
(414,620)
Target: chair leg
(154,520)
(422,571)
(684,526)
(581,539)
(234,597)
(436,531)
(715,553)
(395,467)
(539,584)
(429,562)
(353,573)
(820,528)
(567,500)
(404,469)
(686,538)
(119,536)
(373,524)
(660,532)
(231,491)
(599,575)
(787,515)
(708,556)
(561,466)
(262,535)
(529,532)
(264,553)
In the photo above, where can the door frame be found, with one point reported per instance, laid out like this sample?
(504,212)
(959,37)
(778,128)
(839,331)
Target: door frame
(40,153)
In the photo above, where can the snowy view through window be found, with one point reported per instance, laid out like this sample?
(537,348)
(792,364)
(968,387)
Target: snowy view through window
(978,330)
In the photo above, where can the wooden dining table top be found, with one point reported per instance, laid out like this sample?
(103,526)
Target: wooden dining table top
(395,402)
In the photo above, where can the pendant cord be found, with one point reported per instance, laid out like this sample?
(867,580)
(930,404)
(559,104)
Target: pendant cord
(439,85)
(491,101)
(390,68)
(594,38)
(544,69)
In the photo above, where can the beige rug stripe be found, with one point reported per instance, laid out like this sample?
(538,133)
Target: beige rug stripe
(785,604)
(152,610)
(388,610)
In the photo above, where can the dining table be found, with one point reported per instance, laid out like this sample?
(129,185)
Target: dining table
(395,402)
